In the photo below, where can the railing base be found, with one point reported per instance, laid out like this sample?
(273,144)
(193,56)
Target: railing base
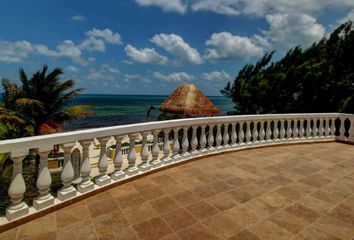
(39,204)
(17,213)
(83,188)
(103,180)
(118,175)
(65,195)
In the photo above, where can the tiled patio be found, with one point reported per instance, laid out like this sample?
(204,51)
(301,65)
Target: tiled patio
(289,192)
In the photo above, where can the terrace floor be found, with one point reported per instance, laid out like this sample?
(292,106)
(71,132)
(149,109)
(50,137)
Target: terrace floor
(286,192)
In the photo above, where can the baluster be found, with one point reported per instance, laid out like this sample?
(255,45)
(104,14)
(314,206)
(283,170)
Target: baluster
(218,136)
(296,129)
(233,135)
(67,175)
(255,132)
(248,133)
(132,168)
(194,142)
(44,180)
(211,138)
(308,129)
(166,147)
(289,131)
(327,128)
(321,129)
(315,128)
(185,142)
(226,137)
(118,160)
(86,184)
(261,131)
(202,140)
(351,130)
(282,130)
(269,131)
(103,178)
(342,129)
(176,145)
(155,149)
(241,135)
(333,127)
(302,129)
(276,131)
(17,189)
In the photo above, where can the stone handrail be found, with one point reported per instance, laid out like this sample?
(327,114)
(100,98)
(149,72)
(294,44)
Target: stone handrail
(191,138)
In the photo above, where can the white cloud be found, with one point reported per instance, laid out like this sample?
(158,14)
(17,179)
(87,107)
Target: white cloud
(348,17)
(176,46)
(145,55)
(129,77)
(265,7)
(127,62)
(216,76)
(173,77)
(71,69)
(109,68)
(93,44)
(105,34)
(224,45)
(304,30)
(166,5)
(78,18)
(14,52)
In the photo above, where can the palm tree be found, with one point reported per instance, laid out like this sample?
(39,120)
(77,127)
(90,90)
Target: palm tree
(41,105)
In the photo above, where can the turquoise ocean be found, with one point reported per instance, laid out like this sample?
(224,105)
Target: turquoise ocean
(124,109)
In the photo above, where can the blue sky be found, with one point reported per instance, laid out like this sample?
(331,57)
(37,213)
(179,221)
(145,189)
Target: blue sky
(152,46)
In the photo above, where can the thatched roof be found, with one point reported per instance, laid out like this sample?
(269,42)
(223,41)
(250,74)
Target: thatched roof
(187,99)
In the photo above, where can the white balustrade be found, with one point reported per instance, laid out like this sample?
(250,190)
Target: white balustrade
(118,160)
(245,131)
(67,175)
(44,180)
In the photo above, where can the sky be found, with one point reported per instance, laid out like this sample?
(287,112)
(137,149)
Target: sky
(152,46)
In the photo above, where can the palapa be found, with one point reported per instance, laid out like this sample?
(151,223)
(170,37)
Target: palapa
(187,99)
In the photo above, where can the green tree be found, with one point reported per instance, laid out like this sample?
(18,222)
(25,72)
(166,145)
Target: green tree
(317,79)
(40,105)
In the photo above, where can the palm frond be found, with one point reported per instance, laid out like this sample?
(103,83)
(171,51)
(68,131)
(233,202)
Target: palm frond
(79,111)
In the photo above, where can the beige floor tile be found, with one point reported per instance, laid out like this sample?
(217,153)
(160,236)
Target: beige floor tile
(202,210)
(139,213)
(268,230)
(288,221)
(222,225)
(179,219)
(152,229)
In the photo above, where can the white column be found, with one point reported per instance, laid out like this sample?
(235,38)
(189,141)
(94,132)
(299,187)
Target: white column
(226,137)
(333,127)
(85,170)
(269,131)
(118,160)
(44,180)
(166,146)
(241,135)
(296,129)
(261,131)
(202,140)
(103,178)
(308,129)
(289,131)
(17,189)
(233,135)
(302,129)
(218,136)
(194,142)
(67,175)
(155,150)
(248,133)
(276,131)
(282,130)
(132,168)
(176,145)
(315,128)
(327,128)
(321,129)
(255,133)
(211,138)
(144,154)
(342,129)
(351,130)
(185,142)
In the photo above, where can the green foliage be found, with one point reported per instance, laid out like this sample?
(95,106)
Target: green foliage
(40,105)
(317,79)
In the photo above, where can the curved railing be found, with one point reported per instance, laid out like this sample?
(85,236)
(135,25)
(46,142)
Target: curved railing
(182,140)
